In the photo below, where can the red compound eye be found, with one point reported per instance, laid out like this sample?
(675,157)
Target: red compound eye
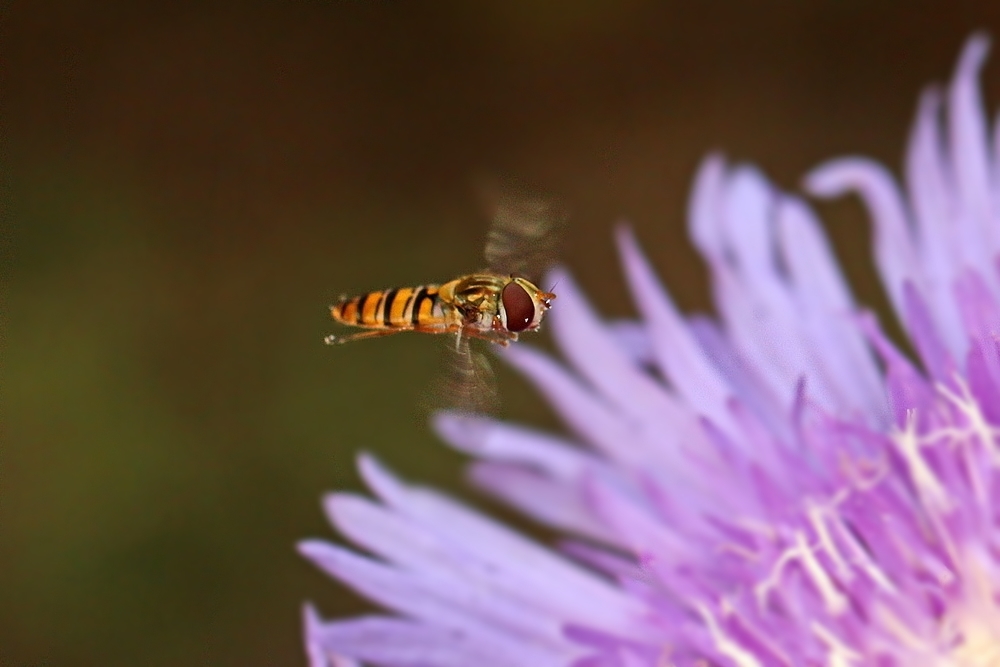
(519,307)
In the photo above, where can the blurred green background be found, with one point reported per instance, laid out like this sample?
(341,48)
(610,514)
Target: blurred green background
(188,186)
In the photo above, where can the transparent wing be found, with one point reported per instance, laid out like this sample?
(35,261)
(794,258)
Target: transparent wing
(524,237)
(468,383)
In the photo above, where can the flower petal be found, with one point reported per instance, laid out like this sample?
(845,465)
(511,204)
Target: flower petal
(895,255)
(934,211)
(500,441)
(508,559)
(382,640)
(444,601)
(846,365)
(970,153)
(552,502)
(588,345)
(677,352)
(596,423)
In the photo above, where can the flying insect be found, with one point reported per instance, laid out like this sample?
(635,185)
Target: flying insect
(496,304)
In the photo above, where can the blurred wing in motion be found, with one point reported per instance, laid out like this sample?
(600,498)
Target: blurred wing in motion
(468,383)
(525,233)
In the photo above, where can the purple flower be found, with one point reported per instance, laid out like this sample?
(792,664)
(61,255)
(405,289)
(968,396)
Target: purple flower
(778,485)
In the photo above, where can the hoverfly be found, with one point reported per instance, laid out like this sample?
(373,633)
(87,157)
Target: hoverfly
(495,304)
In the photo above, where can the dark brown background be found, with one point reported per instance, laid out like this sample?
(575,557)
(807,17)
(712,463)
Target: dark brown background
(188,187)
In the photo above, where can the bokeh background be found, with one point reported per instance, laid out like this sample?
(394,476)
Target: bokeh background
(187,186)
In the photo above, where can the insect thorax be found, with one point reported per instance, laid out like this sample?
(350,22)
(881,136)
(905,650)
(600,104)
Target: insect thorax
(477,296)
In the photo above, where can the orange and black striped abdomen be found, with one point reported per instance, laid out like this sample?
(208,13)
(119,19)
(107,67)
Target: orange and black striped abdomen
(403,308)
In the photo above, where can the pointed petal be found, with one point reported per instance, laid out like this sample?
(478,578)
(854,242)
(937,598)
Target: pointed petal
(585,341)
(510,560)
(826,304)
(677,352)
(970,150)
(934,211)
(381,640)
(585,413)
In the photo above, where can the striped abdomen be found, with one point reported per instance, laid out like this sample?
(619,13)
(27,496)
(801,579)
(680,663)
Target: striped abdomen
(403,308)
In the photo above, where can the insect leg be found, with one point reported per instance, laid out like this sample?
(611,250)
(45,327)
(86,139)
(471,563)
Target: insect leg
(361,335)
(494,336)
